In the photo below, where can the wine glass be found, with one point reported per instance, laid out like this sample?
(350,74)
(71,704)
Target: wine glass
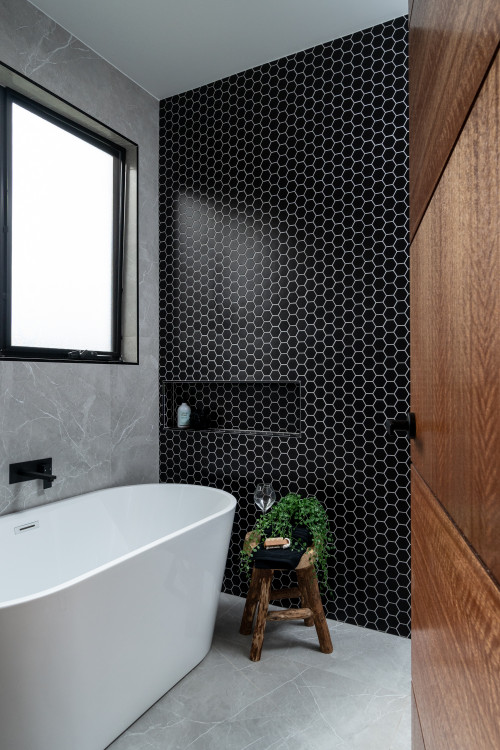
(264,497)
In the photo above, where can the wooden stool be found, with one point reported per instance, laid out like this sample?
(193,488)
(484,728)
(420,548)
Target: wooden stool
(260,594)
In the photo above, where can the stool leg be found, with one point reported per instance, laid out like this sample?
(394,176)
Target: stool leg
(250,604)
(309,621)
(315,605)
(265,576)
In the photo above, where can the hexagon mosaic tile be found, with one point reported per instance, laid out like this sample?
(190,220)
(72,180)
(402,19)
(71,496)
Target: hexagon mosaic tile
(284,257)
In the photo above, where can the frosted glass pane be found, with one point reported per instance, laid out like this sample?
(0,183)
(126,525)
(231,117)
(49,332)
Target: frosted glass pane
(62,237)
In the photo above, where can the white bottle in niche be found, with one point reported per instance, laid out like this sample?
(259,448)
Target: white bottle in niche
(183,415)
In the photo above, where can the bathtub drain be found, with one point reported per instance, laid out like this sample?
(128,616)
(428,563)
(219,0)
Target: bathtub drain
(26,527)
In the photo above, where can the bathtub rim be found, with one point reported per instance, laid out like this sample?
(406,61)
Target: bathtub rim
(122,558)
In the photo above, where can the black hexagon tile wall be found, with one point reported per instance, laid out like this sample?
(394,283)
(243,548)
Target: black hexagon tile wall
(284,258)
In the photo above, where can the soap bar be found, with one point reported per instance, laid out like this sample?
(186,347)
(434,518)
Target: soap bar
(277,542)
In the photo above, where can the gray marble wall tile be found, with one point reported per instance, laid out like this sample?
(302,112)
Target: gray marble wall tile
(98,422)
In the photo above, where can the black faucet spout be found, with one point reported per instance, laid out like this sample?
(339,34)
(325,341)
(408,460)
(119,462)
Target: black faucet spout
(38,475)
(26,470)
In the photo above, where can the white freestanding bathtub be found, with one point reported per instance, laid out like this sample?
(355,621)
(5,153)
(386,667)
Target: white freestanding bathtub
(106,601)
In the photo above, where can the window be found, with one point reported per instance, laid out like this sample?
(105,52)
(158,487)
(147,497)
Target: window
(63,203)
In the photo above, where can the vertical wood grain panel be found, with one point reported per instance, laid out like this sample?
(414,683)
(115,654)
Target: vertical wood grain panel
(455,331)
(417,740)
(451,47)
(410,8)
(455,633)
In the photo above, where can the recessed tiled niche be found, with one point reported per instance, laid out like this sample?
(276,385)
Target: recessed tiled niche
(233,406)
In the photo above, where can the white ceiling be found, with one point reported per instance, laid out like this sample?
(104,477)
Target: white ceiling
(169,46)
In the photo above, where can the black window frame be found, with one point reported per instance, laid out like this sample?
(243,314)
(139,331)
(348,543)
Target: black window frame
(7,350)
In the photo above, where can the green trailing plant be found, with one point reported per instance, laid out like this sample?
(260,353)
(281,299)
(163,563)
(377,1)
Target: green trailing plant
(291,511)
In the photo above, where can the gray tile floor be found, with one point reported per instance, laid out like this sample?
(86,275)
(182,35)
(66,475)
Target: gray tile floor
(357,698)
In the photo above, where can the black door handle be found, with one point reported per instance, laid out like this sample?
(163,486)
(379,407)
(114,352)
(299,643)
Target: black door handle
(404,423)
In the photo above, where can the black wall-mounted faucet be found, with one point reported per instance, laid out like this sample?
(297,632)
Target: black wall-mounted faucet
(27,470)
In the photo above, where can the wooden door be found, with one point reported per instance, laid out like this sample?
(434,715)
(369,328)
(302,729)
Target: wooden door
(455,372)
